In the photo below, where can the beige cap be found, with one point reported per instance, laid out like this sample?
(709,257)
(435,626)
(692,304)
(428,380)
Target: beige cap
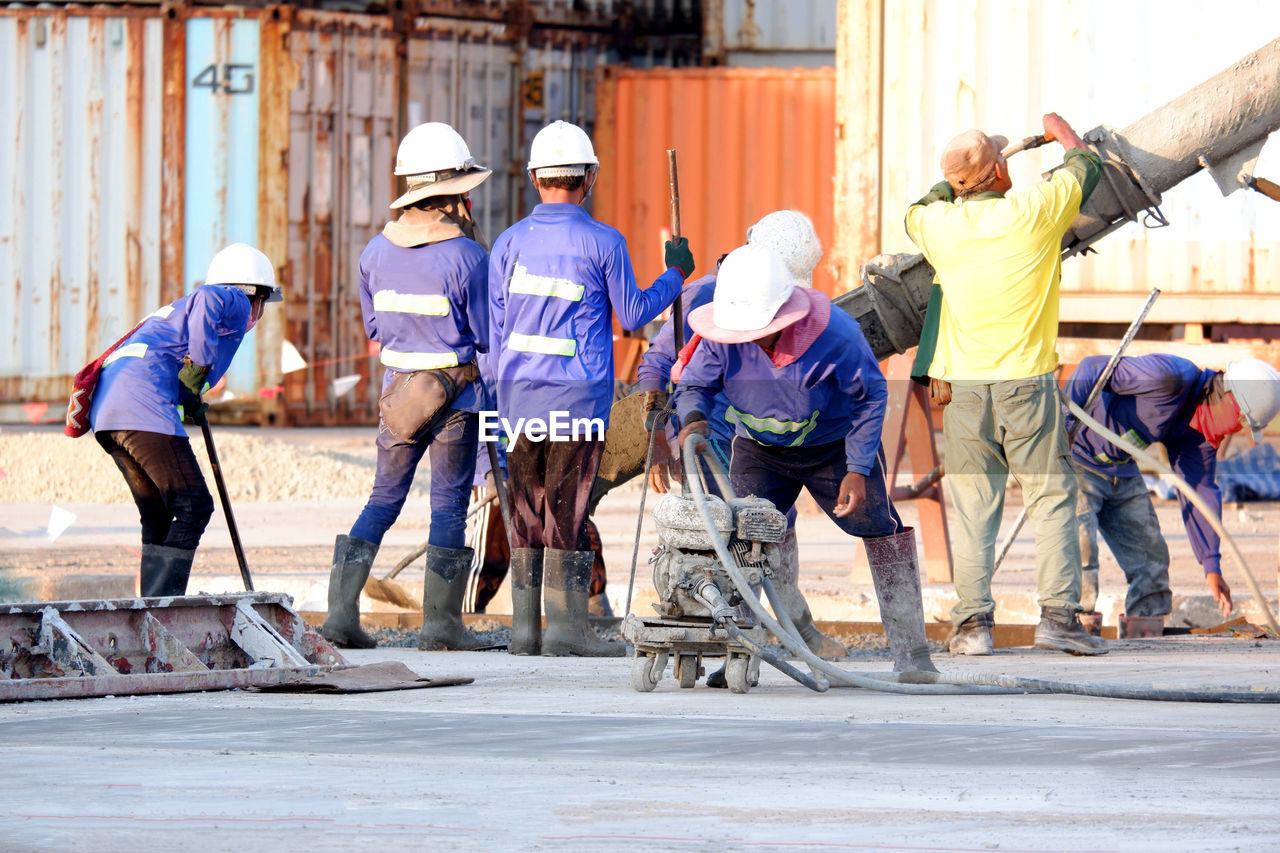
(969,160)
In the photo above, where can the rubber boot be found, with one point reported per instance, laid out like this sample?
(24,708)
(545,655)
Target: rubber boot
(526,601)
(787,584)
(568,579)
(1060,630)
(352,560)
(448,570)
(895,571)
(164,571)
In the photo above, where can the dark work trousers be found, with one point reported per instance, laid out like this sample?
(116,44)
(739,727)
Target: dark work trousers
(778,473)
(174,504)
(450,442)
(551,491)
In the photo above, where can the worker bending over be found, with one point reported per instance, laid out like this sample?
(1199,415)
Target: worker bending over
(996,253)
(1189,410)
(556,278)
(423,295)
(154,379)
(790,235)
(807,400)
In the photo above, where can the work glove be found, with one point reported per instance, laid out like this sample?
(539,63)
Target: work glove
(677,255)
(655,410)
(192,378)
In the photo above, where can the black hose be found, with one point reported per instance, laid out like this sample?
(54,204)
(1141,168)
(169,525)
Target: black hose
(813,683)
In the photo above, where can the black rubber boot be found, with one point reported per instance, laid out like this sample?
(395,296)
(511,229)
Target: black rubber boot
(786,582)
(448,570)
(895,571)
(1060,630)
(352,560)
(526,601)
(164,571)
(567,579)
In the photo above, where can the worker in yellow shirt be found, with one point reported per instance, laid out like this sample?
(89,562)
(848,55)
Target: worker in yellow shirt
(997,256)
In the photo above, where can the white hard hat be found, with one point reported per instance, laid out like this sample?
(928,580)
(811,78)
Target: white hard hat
(560,150)
(1256,387)
(789,234)
(751,286)
(435,160)
(241,264)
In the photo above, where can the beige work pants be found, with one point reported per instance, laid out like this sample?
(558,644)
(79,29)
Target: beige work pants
(991,431)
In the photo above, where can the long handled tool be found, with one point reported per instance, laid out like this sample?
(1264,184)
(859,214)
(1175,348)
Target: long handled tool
(1103,379)
(386,589)
(673,183)
(226,503)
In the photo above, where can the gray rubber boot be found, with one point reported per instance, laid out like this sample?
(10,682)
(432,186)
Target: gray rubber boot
(448,570)
(164,571)
(526,601)
(1088,590)
(352,560)
(567,577)
(895,571)
(786,581)
(1060,630)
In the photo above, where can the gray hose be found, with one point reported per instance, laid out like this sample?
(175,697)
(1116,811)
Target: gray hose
(926,683)
(1189,493)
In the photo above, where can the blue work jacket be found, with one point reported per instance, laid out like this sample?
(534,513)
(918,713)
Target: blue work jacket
(427,306)
(1151,398)
(834,390)
(138,388)
(556,278)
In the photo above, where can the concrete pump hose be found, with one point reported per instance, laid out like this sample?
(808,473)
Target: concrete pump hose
(930,683)
(791,640)
(1189,493)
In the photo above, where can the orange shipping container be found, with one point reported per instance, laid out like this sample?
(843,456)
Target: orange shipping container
(748,141)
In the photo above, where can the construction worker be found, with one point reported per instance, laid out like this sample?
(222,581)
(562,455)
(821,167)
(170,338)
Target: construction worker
(423,295)
(996,254)
(790,235)
(556,279)
(807,399)
(154,380)
(1188,410)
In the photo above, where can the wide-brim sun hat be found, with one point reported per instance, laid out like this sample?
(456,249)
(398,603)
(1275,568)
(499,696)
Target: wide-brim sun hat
(441,183)
(754,298)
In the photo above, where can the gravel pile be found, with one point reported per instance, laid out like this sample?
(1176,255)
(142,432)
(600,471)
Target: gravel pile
(46,467)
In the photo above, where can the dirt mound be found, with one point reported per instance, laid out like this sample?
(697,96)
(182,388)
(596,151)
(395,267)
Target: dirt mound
(48,467)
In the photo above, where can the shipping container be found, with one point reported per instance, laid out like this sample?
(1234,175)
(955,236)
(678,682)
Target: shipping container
(770,33)
(80,177)
(747,141)
(952,65)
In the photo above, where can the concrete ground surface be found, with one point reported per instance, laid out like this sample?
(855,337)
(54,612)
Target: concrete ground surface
(555,754)
(549,754)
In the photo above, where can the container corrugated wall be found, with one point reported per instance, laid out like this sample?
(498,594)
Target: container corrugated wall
(952,65)
(786,118)
(770,33)
(80,170)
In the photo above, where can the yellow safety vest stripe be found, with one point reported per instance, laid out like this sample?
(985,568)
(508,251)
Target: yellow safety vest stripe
(543,345)
(523,281)
(127,351)
(774,425)
(418,360)
(426,304)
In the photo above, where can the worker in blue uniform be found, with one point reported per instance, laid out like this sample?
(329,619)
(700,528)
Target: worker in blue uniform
(790,235)
(423,295)
(807,399)
(556,280)
(154,380)
(1187,409)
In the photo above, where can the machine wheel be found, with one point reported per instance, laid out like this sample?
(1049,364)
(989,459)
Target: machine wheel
(646,671)
(687,670)
(737,674)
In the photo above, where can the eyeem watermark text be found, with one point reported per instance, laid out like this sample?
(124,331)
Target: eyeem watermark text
(558,427)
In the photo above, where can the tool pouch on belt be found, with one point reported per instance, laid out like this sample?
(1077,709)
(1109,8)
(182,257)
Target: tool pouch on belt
(411,401)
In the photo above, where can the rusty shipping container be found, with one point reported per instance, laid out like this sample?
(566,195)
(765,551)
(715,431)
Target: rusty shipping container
(184,130)
(748,141)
